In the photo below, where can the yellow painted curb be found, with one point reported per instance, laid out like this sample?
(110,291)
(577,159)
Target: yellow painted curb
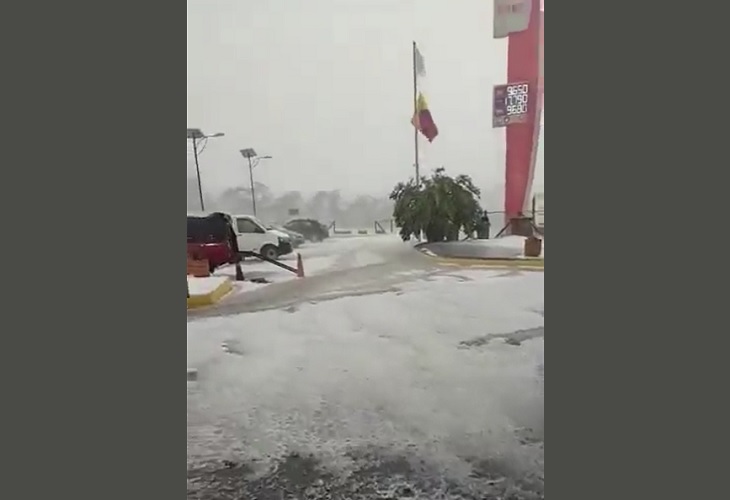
(211,298)
(528,264)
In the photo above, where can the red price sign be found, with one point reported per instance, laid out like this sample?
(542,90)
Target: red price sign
(511,104)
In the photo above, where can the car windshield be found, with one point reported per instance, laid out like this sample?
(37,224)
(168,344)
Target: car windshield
(257,220)
(254,220)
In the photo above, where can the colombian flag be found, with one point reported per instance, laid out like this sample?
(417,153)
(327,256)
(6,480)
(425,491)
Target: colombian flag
(423,121)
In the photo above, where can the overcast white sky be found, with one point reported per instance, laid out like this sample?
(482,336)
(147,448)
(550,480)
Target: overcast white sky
(325,87)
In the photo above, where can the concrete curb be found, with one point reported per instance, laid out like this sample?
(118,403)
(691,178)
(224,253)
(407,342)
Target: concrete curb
(211,298)
(526,264)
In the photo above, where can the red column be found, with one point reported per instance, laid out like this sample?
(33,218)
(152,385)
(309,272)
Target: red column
(523,65)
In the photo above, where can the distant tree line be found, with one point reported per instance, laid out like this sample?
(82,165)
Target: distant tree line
(439,209)
(325,206)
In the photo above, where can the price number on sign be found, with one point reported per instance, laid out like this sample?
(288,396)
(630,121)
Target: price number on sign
(517,99)
(511,104)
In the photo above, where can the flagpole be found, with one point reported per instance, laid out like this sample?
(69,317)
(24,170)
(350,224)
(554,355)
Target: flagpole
(415,110)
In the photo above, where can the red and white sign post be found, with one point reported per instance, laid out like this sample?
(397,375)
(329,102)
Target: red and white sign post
(518,103)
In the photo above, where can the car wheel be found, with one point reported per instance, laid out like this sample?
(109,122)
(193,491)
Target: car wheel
(270,252)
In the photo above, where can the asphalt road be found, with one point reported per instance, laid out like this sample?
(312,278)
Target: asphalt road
(355,265)
(377,378)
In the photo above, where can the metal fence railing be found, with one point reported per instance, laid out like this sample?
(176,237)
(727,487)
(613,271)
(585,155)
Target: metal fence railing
(497,220)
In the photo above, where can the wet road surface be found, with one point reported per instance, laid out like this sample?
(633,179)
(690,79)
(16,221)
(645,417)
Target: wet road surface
(387,261)
(388,380)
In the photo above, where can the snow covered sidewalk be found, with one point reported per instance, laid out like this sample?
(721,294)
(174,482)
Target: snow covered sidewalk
(508,247)
(207,291)
(205,286)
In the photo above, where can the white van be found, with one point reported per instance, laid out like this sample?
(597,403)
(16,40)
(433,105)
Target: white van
(253,236)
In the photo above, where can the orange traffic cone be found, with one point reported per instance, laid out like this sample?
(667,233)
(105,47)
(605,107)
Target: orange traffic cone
(300,266)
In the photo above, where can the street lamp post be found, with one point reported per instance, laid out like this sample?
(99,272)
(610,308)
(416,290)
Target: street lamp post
(197,135)
(253,160)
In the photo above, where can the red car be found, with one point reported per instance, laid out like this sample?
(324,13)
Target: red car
(211,237)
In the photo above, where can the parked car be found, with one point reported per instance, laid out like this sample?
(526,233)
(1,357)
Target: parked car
(311,229)
(280,234)
(253,236)
(284,239)
(297,239)
(210,237)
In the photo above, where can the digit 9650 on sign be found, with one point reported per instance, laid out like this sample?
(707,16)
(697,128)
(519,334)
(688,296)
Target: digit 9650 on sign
(517,99)
(511,104)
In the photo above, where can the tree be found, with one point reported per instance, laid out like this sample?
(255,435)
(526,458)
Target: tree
(440,208)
